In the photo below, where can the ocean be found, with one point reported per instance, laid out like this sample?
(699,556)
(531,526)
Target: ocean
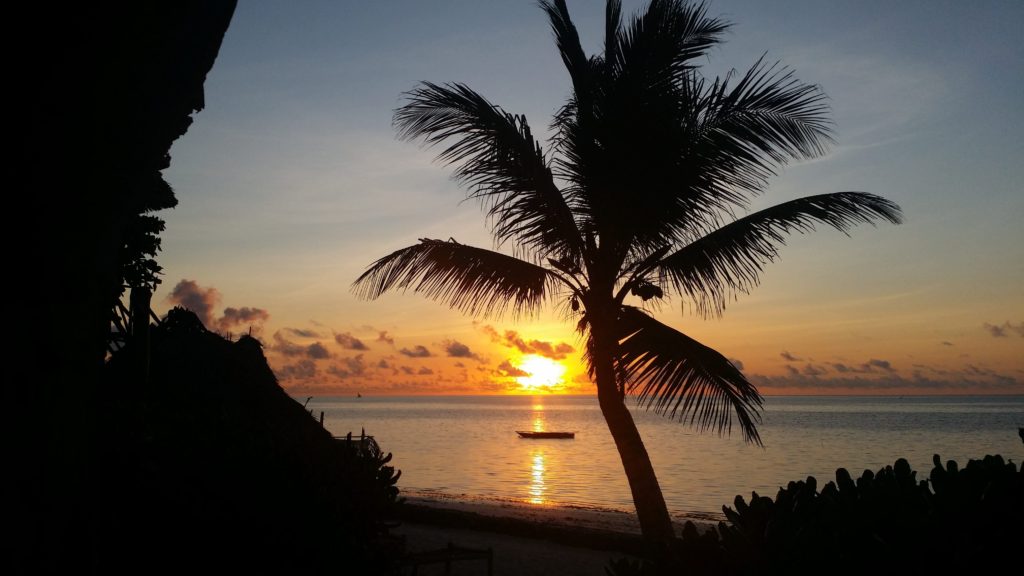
(466,446)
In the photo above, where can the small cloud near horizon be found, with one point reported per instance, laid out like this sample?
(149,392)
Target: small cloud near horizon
(873,365)
(507,369)
(961,381)
(456,349)
(813,370)
(348,367)
(350,342)
(233,317)
(880,364)
(789,357)
(317,351)
(286,347)
(512,339)
(303,369)
(1004,330)
(418,351)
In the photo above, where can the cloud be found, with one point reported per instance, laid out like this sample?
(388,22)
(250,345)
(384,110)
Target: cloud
(738,364)
(813,370)
(512,339)
(189,294)
(245,315)
(302,332)
(947,343)
(286,347)
(874,363)
(384,337)
(382,363)
(407,370)
(971,370)
(350,342)
(417,351)
(995,331)
(789,357)
(960,381)
(507,369)
(316,350)
(1004,330)
(348,367)
(424,371)
(303,369)
(872,366)
(456,349)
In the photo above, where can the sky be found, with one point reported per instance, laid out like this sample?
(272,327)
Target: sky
(292,181)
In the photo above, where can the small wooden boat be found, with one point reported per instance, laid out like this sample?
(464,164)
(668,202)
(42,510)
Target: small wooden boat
(526,434)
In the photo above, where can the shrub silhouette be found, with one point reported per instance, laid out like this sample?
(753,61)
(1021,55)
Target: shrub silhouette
(887,522)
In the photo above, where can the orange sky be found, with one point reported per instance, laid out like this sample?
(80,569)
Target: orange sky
(829,348)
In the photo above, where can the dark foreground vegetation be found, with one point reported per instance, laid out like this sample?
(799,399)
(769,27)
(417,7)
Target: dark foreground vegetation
(968,520)
(214,466)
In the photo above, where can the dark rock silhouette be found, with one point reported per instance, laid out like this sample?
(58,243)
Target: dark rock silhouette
(218,467)
(101,91)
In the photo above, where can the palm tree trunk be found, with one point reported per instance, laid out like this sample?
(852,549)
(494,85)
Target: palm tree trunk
(655,523)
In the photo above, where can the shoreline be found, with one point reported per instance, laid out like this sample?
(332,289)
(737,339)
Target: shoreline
(522,538)
(572,525)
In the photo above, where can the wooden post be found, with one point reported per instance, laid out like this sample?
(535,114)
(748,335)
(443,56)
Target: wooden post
(321,418)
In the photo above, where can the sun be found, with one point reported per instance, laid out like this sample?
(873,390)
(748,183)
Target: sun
(541,373)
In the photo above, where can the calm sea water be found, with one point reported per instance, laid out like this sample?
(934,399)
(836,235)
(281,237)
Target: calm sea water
(467,446)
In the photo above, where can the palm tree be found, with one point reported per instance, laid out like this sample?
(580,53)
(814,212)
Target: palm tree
(635,199)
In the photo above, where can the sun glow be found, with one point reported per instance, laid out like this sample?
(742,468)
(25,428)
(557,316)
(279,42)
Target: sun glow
(542,374)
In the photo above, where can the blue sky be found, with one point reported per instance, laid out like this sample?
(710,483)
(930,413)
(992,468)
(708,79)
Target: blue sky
(292,181)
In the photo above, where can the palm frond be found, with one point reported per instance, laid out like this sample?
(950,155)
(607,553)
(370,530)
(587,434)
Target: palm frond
(612,28)
(568,41)
(583,72)
(682,378)
(730,259)
(498,159)
(472,280)
(660,44)
(748,130)
(623,158)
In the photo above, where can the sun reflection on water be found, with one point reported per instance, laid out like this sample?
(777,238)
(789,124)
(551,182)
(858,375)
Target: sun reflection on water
(538,416)
(537,486)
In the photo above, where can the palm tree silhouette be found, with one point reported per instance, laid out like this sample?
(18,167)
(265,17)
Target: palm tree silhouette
(636,198)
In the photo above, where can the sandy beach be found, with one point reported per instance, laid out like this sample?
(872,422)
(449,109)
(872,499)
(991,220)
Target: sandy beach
(524,538)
